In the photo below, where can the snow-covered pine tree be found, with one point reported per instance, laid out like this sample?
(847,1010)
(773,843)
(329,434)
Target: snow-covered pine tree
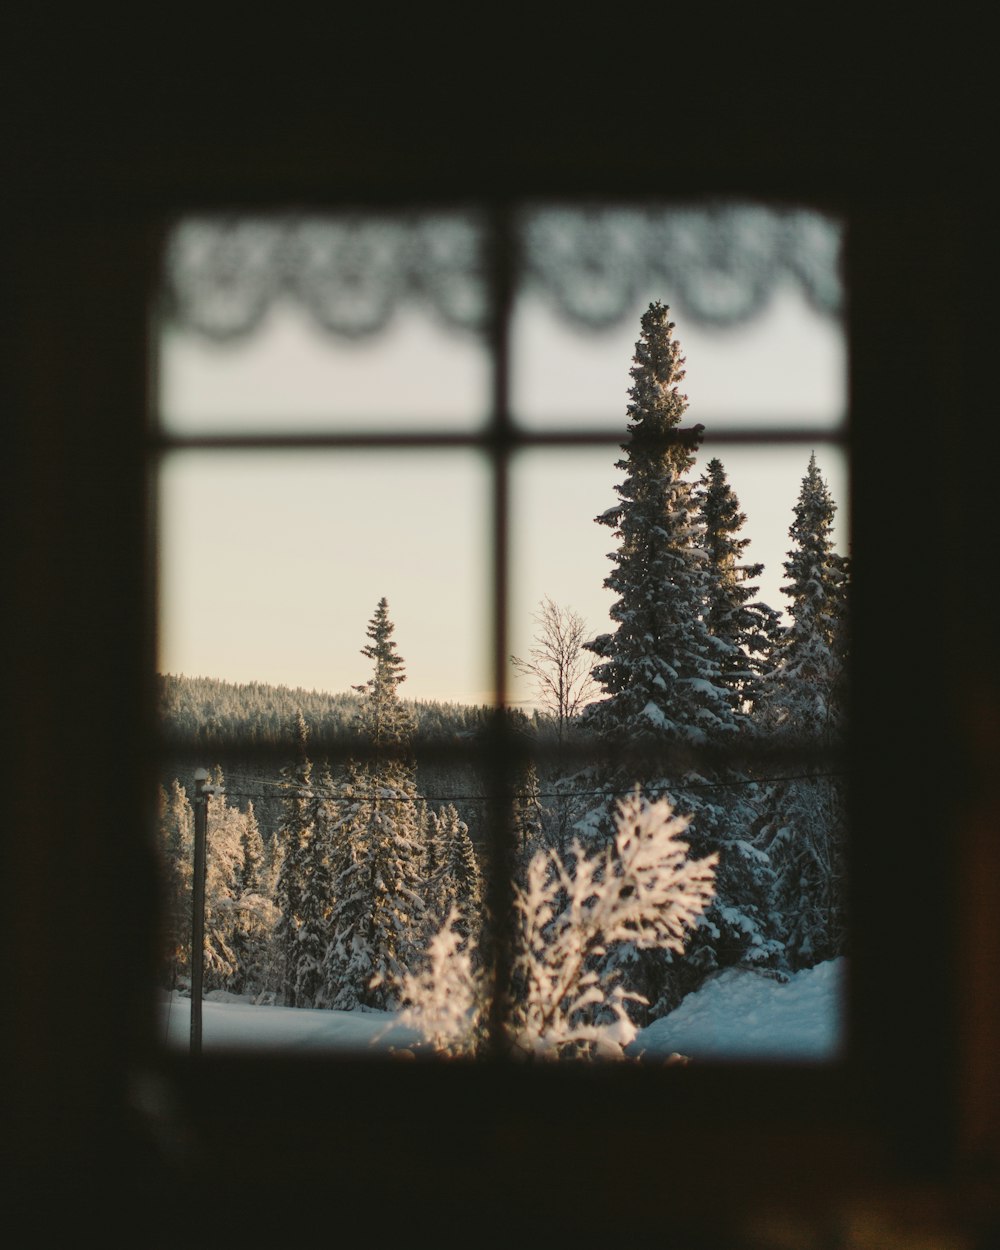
(528,819)
(255,913)
(250,873)
(659,667)
(316,898)
(436,887)
(176,847)
(376,919)
(743,631)
(454,878)
(237,919)
(297,787)
(804,707)
(225,826)
(667,690)
(740,926)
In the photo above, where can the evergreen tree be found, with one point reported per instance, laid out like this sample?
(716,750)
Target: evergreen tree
(462,867)
(377,915)
(668,678)
(529,819)
(454,879)
(385,722)
(294,834)
(659,667)
(255,913)
(176,846)
(316,894)
(809,686)
(436,886)
(744,632)
(805,708)
(240,915)
(250,875)
(225,834)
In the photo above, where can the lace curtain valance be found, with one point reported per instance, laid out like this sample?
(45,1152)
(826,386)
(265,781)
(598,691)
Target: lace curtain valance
(717,264)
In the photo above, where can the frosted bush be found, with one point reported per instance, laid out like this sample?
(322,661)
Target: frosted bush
(566,997)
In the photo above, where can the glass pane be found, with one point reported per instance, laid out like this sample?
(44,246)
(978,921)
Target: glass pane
(296,326)
(754,295)
(292,586)
(271,565)
(558,551)
(763,977)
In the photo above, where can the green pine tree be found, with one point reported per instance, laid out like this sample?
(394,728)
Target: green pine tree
(176,847)
(294,834)
(376,923)
(804,707)
(744,632)
(670,682)
(659,668)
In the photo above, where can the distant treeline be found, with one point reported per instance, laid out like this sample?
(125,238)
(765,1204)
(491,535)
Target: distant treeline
(247,729)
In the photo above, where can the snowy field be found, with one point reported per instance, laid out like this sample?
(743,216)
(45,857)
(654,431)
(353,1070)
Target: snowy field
(737,1015)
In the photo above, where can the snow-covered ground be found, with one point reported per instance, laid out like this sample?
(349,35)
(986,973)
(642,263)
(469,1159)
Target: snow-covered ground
(745,1015)
(735,1015)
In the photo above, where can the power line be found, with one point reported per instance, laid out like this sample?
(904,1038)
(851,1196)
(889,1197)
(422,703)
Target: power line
(311,792)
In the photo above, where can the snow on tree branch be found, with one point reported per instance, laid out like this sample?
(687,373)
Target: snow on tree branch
(641,889)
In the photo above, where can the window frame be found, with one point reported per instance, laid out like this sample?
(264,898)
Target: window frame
(498,440)
(834,1128)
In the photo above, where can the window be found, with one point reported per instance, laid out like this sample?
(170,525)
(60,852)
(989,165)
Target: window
(353,407)
(700,1155)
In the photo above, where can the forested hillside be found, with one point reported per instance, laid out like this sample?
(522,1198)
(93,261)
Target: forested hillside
(228,723)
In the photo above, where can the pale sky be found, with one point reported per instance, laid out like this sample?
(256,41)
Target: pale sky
(271,565)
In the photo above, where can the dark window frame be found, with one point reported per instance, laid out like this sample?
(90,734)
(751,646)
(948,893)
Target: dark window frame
(503,1138)
(498,439)
(863,1095)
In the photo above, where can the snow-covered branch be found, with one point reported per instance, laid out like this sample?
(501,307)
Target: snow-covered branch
(641,889)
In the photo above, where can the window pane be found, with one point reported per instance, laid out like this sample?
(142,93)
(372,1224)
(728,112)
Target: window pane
(285,326)
(274,567)
(754,295)
(558,551)
(275,570)
(787,367)
(272,564)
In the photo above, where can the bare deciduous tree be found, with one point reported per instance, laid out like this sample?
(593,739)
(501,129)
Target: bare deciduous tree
(558,663)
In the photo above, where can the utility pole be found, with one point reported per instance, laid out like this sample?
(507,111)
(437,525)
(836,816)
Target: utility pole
(201,793)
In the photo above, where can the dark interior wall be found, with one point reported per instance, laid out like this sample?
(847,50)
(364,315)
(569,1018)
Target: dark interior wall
(99,149)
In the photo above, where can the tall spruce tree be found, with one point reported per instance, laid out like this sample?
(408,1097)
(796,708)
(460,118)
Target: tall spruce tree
(376,920)
(744,631)
(254,911)
(528,819)
(453,877)
(250,873)
(294,833)
(669,684)
(804,707)
(659,667)
(229,830)
(176,846)
(316,898)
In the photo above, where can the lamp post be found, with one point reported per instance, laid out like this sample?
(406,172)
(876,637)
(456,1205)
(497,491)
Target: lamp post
(201,793)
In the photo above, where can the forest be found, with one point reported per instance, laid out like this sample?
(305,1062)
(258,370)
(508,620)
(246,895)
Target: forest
(677,805)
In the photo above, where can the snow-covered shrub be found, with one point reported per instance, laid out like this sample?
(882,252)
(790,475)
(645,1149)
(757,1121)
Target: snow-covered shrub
(642,889)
